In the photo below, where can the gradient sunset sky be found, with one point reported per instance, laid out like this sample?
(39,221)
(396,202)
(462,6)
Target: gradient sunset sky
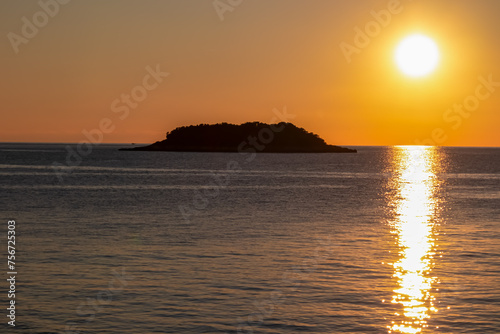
(264,54)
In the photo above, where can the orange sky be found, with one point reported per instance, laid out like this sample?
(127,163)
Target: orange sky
(65,77)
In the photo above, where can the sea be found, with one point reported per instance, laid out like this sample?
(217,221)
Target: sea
(402,239)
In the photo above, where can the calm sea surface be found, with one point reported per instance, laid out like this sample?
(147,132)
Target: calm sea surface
(389,240)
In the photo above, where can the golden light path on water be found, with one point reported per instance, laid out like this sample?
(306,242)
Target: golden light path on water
(416,204)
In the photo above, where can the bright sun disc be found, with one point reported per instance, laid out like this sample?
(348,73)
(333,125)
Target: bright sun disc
(417,55)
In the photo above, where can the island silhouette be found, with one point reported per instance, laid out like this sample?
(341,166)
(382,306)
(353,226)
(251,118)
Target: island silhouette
(248,137)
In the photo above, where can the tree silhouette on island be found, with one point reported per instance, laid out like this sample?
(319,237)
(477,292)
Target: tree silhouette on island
(248,137)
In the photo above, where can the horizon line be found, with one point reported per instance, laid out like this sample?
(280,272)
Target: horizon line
(364,145)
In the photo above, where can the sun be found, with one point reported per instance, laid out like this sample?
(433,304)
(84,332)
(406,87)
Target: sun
(417,55)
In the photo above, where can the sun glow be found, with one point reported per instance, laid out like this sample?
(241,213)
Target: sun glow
(414,226)
(417,55)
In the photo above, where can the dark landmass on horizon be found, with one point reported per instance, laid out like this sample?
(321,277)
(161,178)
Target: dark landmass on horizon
(248,137)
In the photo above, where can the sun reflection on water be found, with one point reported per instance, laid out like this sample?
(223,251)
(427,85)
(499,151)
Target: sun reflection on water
(415,203)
